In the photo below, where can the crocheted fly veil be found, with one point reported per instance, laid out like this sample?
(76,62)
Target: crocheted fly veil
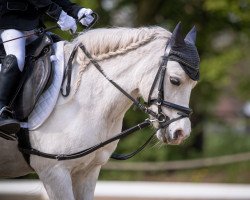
(185,52)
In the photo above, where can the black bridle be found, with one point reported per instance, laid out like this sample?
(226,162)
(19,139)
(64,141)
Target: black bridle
(163,120)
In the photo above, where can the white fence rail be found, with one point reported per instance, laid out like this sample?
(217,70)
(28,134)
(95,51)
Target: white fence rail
(26,190)
(177,165)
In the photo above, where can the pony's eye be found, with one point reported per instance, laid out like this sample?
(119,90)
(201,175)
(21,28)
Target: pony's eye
(175,81)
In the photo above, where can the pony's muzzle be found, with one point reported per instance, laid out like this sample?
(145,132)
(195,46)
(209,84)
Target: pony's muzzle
(171,138)
(177,137)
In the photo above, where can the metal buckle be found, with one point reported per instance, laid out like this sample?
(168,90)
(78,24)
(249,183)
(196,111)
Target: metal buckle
(158,102)
(162,118)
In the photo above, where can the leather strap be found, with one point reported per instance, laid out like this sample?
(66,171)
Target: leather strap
(68,73)
(130,155)
(87,151)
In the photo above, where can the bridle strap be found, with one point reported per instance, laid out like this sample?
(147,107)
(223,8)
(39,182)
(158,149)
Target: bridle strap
(187,111)
(153,85)
(164,63)
(161,89)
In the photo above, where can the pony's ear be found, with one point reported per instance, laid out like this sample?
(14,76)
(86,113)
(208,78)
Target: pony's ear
(191,36)
(177,38)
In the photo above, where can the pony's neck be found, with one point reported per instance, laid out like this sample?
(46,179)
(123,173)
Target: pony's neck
(133,66)
(96,106)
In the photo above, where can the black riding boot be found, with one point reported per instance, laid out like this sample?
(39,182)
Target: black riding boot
(9,79)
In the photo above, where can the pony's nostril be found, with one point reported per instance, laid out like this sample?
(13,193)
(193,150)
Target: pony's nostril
(177,134)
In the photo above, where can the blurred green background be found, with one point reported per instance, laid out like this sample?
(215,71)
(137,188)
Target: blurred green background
(221,119)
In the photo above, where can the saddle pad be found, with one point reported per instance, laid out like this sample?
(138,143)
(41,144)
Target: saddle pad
(48,99)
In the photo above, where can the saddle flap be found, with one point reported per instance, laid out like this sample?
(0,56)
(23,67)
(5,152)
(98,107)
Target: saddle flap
(36,77)
(35,48)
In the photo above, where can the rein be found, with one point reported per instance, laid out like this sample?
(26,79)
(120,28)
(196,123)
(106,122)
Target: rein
(163,120)
(89,150)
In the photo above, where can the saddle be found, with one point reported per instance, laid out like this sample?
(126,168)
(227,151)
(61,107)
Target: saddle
(36,76)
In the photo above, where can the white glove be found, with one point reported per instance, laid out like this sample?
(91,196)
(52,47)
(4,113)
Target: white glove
(88,19)
(67,22)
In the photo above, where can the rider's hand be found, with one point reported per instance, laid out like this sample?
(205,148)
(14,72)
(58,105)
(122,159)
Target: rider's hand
(85,15)
(67,22)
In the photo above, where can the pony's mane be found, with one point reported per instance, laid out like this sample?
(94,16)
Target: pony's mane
(104,43)
(106,40)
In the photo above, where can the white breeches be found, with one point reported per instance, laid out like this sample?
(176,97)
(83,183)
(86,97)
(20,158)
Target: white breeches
(16,47)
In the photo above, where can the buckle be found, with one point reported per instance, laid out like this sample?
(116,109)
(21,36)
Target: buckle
(6,109)
(158,102)
(162,118)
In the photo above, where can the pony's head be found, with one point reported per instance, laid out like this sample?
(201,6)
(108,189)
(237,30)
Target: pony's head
(176,78)
(140,51)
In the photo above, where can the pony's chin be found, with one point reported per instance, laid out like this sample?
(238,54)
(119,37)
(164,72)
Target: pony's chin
(164,136)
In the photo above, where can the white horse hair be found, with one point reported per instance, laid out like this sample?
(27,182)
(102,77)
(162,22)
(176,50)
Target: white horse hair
(95,109)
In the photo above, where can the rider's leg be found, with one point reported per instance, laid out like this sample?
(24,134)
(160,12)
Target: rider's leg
(10,74)
(15,47)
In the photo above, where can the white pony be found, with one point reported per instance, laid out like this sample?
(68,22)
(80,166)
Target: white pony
(95,109)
